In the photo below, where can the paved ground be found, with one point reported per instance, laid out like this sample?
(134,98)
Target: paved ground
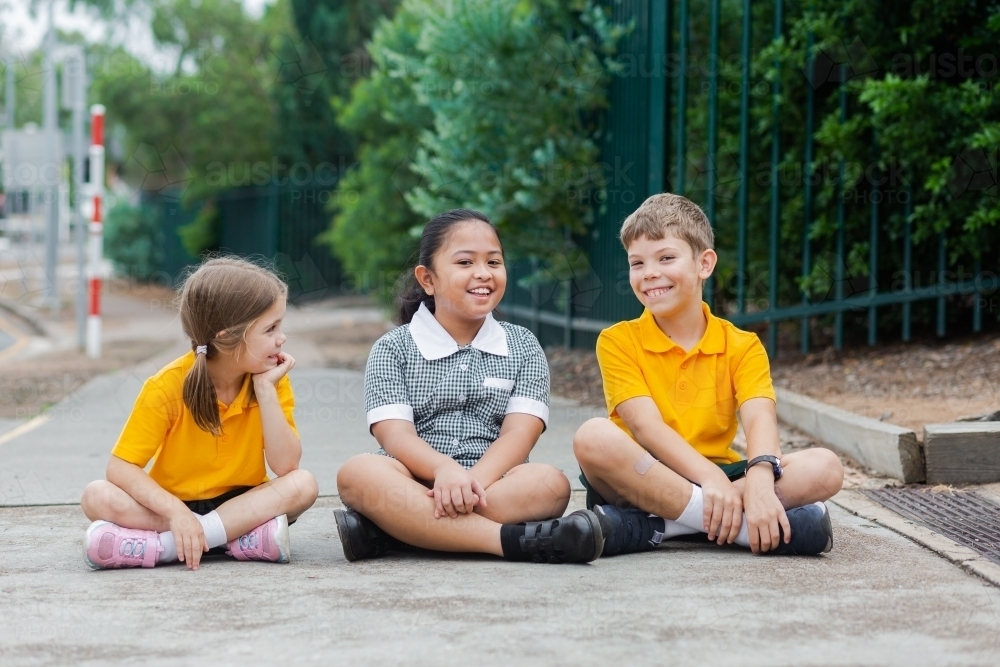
(878,598)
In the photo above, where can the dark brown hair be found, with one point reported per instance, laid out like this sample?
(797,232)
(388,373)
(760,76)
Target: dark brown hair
(218,304)
(433,237)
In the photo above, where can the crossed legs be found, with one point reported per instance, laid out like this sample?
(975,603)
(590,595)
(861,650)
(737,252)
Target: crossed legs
(291,494)
(607,456)
(384,490)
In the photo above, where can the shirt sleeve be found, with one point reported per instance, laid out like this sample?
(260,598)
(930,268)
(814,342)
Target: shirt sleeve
(385,385)
(531,387)
(286,397)
(752,374)
(147,425)
(620,369)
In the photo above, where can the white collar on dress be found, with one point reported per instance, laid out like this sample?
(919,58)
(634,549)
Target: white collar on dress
(435,343)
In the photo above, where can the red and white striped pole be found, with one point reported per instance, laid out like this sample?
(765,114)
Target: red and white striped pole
(96,240)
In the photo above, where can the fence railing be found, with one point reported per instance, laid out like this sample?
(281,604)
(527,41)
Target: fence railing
(279,224)
(765,268)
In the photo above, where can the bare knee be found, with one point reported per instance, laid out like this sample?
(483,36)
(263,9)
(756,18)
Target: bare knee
(590,441)
(349,484)
(306,487)
(94,500)
(829,471)
(555,481)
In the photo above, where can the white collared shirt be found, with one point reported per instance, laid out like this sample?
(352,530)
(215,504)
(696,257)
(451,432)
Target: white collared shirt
(456,396)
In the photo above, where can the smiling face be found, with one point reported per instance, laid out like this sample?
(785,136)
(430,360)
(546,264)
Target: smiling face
(263,340)
(467,277)
(666,275)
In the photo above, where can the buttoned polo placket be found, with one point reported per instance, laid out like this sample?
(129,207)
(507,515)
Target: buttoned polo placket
(712,342)
(223,443)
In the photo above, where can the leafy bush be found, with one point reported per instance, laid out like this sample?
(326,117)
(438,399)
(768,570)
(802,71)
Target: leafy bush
(133,240)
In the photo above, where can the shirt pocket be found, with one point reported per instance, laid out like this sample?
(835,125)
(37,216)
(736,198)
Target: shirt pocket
(499,383)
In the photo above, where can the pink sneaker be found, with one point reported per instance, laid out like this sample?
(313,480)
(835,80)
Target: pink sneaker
(268,542)
(108,547)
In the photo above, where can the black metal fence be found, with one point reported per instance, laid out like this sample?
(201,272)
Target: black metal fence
(650,146)
(280,225)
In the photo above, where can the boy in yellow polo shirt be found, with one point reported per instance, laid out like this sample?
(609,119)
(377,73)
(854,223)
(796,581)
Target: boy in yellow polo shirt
(674,379)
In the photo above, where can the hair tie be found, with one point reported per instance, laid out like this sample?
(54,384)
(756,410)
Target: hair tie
(201,349)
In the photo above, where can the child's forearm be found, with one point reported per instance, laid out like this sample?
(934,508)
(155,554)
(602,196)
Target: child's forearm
(518,436)
(760,425)
(134,481)
(282,447)
(400,440)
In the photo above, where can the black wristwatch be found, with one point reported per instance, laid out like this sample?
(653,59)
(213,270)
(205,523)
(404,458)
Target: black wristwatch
(767,458)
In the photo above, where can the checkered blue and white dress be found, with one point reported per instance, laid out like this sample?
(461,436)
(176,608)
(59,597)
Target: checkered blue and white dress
(456,396)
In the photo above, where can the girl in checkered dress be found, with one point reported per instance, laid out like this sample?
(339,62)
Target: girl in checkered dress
(457,400)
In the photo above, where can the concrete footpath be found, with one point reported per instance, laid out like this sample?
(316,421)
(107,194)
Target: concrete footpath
(878,598)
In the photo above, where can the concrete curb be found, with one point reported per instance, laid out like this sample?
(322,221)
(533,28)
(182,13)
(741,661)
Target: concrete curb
(886,448)
(966,558)
(20,313)
(962,452)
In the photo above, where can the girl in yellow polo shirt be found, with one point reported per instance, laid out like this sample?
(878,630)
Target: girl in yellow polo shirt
(209,421)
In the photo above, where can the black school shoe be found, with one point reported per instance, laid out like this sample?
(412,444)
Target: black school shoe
(574,538)
(361,538)
(812,532)
(627,531)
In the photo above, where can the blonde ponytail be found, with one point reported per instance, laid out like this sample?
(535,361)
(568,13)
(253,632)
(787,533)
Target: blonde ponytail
(200,396)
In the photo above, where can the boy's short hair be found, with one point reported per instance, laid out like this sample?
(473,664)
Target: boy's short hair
(669,213)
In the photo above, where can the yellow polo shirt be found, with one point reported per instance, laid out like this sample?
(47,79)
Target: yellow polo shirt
(190,463)
(697,392)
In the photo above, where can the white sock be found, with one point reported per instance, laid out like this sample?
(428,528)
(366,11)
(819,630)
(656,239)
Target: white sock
(215,532)
(215,535)
(169,553)
(672,529)
(693,517)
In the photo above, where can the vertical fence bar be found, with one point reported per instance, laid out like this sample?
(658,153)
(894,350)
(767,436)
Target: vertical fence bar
(744,200)
(838,319)
(907,258)
(568,286)
(681,141)
(772,291)
(713,122)
(807,193)
(657,97)
(942,256)
(977,299)
(876,194)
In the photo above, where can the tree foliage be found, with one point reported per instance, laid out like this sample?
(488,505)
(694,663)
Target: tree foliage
(483,104)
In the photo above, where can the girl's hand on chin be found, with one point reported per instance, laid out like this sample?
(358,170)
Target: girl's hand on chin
(285,363)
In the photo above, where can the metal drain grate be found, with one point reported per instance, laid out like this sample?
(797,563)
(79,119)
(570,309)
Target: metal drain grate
(963,516)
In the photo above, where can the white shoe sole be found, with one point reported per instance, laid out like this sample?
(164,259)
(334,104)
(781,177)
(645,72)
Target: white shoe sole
(282,539)
(86,543)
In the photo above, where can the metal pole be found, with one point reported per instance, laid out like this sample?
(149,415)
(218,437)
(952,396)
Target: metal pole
(807,193)
(96,230)
(682,52)
(10,98)
(744,202)
(74,97)
(942,264)
(657,97)
(876,194)
(51,170)
(772,292)
(713,121)
(907,257)
(838,319)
